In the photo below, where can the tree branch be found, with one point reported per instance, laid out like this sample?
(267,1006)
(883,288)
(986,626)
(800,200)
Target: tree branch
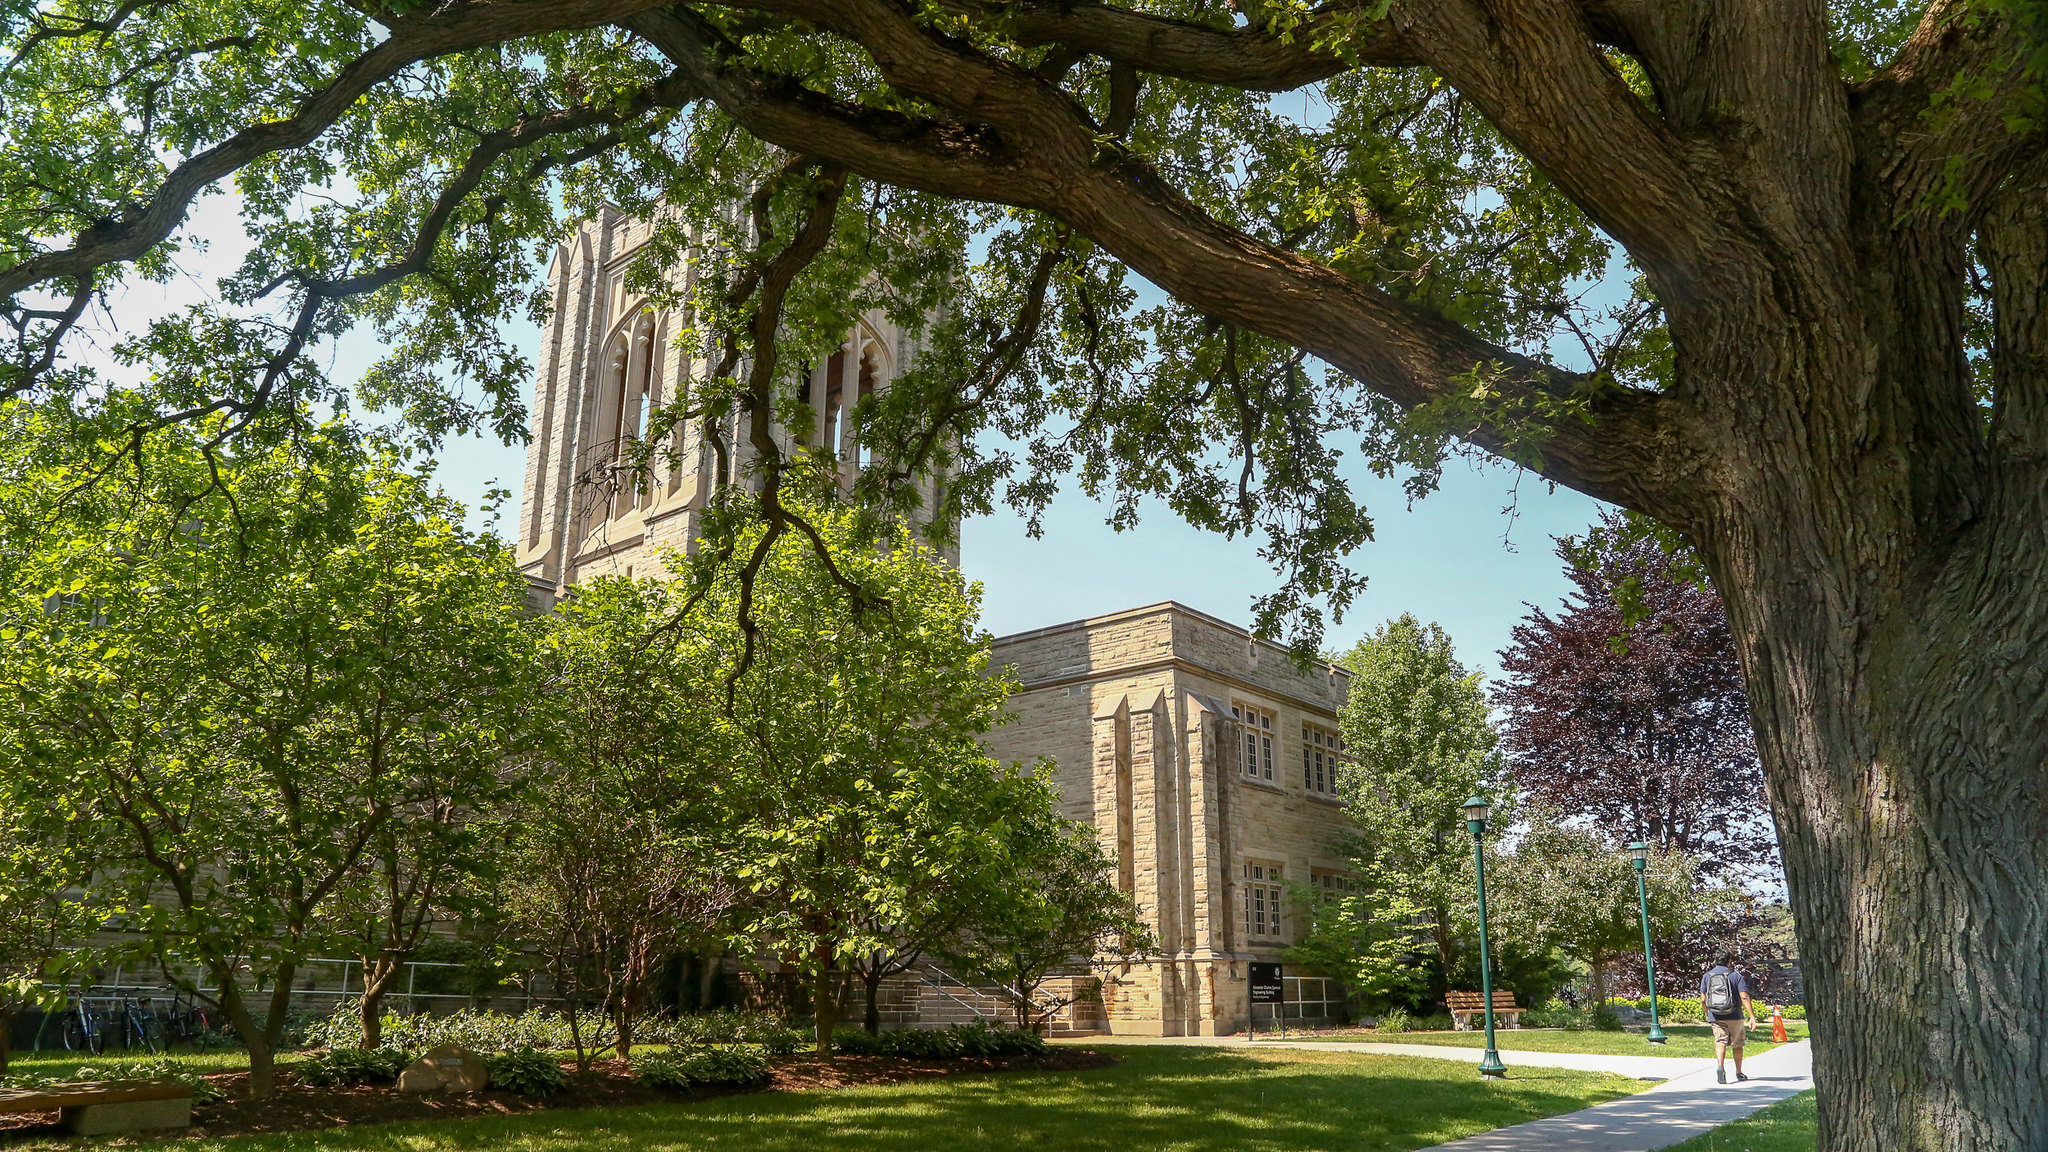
(1627,453)
(1249,58)
(1935,124)
(437,32)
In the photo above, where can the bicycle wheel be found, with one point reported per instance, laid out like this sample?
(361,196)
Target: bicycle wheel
(150,1027)
(95,1022)
(74,1031)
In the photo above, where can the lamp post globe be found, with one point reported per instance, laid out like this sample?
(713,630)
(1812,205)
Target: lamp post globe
(1639,855)
(1477,809)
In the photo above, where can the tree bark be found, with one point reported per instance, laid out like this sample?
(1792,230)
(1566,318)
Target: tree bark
(871,1019)
(377,978)
(1880,545)
(825,1004)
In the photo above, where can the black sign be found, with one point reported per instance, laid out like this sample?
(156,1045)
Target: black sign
(1265,983)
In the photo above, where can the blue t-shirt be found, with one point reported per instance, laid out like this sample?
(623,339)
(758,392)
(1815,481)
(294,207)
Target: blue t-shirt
(1736,982)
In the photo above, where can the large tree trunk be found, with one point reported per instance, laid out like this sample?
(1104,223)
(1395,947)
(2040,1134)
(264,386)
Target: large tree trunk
(1883,556)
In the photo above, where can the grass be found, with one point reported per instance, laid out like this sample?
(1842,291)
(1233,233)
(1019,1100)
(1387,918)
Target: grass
(1787,1126)
(1686,1040)
(61,1065)
(1182,1099)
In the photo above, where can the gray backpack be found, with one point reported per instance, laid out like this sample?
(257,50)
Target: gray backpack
(1720,992)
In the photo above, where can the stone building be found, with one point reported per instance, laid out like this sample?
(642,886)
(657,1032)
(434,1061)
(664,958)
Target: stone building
(608,359)
(1206,761)
(1204,758)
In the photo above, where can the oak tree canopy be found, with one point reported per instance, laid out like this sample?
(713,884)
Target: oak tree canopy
(1374,218)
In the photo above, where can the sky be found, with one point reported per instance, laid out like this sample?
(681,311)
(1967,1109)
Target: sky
(1458,558)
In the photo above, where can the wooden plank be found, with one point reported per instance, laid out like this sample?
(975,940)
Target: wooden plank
(54,1096)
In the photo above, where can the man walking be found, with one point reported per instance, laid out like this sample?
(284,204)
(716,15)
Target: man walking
(1725,995)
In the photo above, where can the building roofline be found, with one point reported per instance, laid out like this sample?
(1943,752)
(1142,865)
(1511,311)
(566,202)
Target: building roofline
(1162,607)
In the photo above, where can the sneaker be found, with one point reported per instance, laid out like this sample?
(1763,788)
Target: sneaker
(1721,1074)
(1741,1076)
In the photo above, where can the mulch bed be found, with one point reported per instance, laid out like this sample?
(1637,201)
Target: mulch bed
(297,1106)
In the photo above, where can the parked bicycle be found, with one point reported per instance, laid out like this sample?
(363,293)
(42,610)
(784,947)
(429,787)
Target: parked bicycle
(141,1027)
(185,1017)
(85,1027)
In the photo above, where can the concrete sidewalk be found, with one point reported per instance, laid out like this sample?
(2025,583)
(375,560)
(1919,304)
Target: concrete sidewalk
(1634,1067)
(1673,1111)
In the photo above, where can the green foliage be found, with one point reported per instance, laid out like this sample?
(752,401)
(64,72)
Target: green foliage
(1394,1020)
(353,1066)
(526,1071)
(257,680)
(1672,1009)
(550,1030)
(768,1032)
(1574,890)
(977,1039)
(1417,729)
(684,1068)
(837,721)
(204,1091)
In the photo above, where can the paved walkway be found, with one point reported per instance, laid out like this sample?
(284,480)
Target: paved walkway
(1687,1103)
(1673,1111)
(1635,1067)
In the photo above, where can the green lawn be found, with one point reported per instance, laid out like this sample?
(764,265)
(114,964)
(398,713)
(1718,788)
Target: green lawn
(1686,1040)
(1788,1126)
(1158,1098)
(60,1065)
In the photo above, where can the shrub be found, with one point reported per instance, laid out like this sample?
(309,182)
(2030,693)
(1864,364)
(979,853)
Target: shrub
(681,1068)
(204,1091)
(726,1026)
(527,1071)
(978,1039)
(1554,1014)
(549,1030)
(986,1038)
(1394,1020)
(353,1066)
(1795,1011)
(1605,1019)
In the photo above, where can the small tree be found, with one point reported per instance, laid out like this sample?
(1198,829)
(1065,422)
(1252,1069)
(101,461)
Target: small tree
(606,894)
(855,689)
(1060,908)
(242,672)
(1417,729)
(613,867)
(1627,707)
(1573,890)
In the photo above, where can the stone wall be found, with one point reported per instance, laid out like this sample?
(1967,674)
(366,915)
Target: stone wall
(1138,712)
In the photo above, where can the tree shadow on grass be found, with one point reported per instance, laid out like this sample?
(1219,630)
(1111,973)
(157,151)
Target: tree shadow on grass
(1183,1099)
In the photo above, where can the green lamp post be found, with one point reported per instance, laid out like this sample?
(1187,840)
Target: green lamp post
(1639,854)
(1477,809)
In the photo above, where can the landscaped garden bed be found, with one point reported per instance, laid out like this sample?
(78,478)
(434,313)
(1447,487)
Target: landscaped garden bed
(300,1105)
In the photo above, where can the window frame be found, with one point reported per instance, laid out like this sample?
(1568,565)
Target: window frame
(1260,727)
(1264,900)
(1322,750)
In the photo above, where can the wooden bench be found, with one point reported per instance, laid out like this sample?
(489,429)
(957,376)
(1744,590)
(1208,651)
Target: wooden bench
(1465,1005)
(98,1107)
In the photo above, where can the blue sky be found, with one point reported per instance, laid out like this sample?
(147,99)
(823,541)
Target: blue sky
(1456,558)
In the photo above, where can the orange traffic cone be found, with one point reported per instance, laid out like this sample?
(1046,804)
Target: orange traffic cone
(1778,1024)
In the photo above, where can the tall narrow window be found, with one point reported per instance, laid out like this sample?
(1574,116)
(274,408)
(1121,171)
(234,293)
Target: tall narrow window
(1319,750)
(1257,724)
(1262,898)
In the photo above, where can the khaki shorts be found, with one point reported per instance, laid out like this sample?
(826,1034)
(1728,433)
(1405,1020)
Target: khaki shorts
(1729,1032)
